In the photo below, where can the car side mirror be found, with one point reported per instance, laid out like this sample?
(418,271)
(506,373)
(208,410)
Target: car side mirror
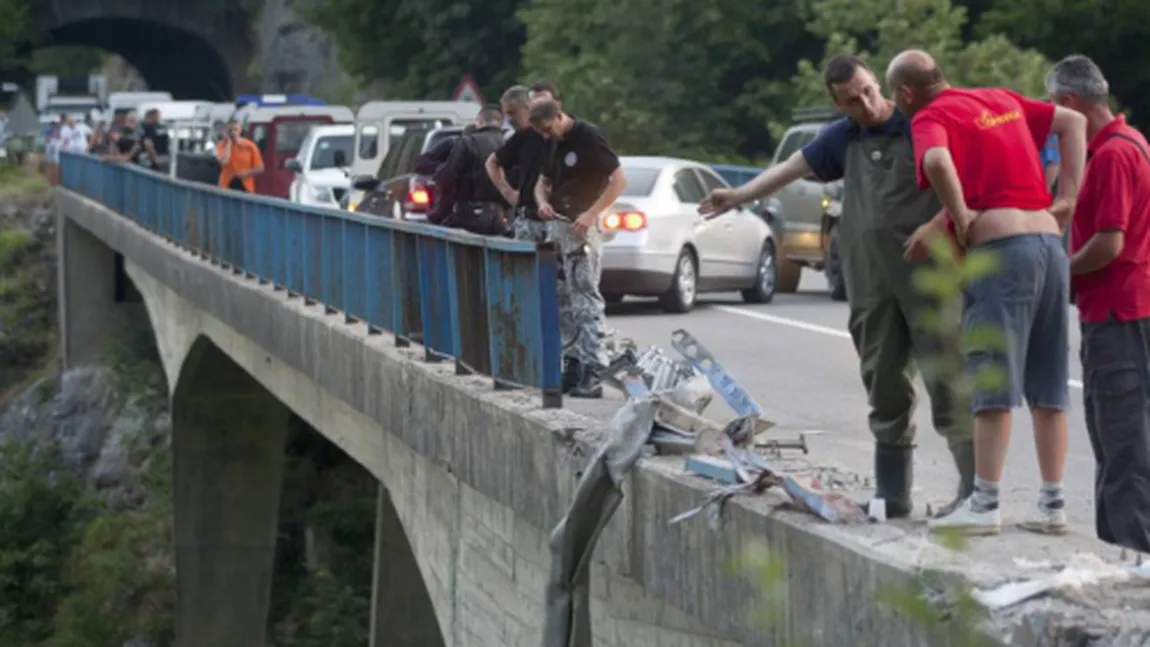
(364,182)
(293,165)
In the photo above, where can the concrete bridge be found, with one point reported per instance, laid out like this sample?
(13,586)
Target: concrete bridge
(254,321)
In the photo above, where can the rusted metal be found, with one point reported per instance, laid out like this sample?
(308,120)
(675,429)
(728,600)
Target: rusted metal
(471,295)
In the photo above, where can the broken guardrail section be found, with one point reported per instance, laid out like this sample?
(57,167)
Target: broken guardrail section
(731,453)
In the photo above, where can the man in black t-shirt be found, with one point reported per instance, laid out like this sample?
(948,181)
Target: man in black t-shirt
(579,182)
(154,139)
(514,168)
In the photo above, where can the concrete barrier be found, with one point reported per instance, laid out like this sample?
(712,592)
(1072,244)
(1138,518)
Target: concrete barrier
(525,459)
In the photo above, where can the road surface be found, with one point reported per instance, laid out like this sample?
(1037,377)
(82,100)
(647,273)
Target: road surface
(795,357)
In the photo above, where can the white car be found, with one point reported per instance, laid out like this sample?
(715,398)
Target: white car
(321,168)
(657,244)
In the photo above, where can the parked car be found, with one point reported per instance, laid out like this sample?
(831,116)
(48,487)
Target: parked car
(805,228)
(658,245)
(396,190)
(321,168)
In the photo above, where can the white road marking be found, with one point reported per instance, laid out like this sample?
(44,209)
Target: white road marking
(810,327)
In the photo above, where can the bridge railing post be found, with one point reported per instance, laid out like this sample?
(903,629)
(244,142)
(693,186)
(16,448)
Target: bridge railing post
(488,303)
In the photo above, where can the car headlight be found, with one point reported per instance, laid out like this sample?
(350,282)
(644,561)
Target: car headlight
(352,206)
(826,202)
(322,194)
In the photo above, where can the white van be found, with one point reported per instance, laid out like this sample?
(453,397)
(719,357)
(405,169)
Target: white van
(321,167)
(379,124)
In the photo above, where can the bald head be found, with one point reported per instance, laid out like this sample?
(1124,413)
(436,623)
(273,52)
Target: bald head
(913,68)
(914,79)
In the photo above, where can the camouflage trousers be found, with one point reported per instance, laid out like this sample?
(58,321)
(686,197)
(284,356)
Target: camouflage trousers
(582,310)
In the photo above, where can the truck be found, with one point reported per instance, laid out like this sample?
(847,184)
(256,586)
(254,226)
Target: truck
(807,211)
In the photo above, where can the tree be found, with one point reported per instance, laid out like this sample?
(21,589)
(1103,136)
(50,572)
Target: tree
(1111,33)
(666,77)
(13,31)
(871,30)
(41,512)
(419,49)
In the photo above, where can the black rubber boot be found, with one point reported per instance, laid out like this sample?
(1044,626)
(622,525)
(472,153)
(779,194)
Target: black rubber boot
(588,386)
(894,478)
(570,374)
(964,460)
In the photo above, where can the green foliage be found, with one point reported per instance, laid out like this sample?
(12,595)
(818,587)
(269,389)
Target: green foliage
(131,355)
(678,78)
(42,512)
(67,61)
(13,31)
(122,575)
(420,49)
(1107,32)
(876,31)
(27,315)
(327,612)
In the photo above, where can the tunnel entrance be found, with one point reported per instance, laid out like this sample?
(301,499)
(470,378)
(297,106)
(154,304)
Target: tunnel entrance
(168,58)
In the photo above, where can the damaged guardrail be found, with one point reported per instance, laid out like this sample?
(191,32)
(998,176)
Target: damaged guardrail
(662,416)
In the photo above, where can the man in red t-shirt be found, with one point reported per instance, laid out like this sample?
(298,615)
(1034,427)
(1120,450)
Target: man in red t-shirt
(1110,271)
(978,150)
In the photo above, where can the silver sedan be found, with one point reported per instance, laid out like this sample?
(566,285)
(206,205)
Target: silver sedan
(658,245)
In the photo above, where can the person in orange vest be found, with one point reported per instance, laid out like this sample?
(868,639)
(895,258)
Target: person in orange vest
(240,160)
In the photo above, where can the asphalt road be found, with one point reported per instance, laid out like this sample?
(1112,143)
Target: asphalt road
(796,359)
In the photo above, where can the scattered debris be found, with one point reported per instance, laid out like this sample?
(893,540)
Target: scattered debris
(1082,570)
(682,390)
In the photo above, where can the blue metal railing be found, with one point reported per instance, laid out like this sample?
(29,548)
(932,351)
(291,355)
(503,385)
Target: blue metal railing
(490,303)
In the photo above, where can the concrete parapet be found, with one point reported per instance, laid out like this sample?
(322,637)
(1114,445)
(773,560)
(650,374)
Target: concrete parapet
(478,478)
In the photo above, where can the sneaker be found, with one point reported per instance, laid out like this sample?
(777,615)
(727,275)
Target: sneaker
(1046,521)
(964,520)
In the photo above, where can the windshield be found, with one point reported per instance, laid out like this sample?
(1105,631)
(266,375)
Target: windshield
(290,133)
(640,181)
(400,127)
(332,151)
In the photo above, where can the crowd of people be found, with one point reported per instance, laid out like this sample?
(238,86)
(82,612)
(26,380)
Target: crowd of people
(939,162)
(125,139)
(550,180)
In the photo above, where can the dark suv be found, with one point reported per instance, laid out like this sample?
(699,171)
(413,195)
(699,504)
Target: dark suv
(396,190)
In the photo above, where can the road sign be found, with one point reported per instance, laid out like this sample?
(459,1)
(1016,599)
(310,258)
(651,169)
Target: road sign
(468,90)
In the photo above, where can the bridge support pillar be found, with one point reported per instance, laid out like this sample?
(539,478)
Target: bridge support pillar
(401,611)
(91,293)
(228,436)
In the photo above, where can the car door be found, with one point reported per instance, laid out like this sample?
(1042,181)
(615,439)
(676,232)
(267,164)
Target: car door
(705,233)
(739,230)
(801,202)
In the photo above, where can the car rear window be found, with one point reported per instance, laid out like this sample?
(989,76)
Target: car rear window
(640,181)
(440,136)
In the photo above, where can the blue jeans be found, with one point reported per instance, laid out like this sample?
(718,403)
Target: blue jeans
(1116,371)
(1025,298)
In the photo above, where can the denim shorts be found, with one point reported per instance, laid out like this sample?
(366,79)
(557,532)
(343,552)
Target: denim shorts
(1026,299)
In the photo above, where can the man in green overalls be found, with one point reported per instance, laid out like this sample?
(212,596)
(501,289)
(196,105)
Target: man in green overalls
(871,150)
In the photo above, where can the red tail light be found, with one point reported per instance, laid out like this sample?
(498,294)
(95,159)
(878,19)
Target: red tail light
(418,199)
(625,221)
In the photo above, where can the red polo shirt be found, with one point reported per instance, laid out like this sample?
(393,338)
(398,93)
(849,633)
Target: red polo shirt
(993,136)
(1115,195)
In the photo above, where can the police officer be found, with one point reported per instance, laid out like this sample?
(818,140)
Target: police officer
(515,167)
(871,150)
(467,198)
(580,181)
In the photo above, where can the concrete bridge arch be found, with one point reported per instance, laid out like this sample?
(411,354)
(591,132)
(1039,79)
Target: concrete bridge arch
(228,437)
